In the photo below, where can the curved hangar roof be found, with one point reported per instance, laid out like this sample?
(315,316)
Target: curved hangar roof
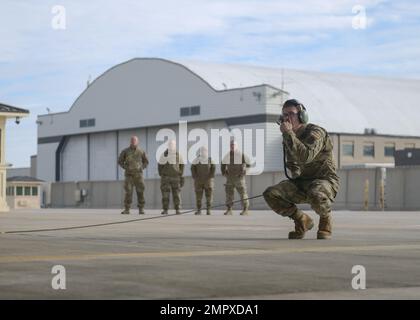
(338,102)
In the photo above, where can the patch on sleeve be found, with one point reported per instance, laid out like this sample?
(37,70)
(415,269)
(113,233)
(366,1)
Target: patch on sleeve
(314,136)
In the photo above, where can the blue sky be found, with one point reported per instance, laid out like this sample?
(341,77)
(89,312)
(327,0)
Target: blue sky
(41,67)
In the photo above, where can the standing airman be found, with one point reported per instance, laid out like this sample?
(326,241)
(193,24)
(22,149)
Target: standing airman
(203,170)
(171,171)
(233,167)
(133,160)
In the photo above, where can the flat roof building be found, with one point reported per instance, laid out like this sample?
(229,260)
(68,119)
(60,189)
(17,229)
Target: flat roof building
(23,192)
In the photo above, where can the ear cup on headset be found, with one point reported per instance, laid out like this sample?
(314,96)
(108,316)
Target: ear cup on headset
(303,114)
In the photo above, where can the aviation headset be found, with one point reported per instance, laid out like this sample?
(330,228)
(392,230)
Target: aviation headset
(302,113)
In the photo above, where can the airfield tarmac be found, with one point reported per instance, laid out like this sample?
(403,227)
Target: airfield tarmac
(207,257)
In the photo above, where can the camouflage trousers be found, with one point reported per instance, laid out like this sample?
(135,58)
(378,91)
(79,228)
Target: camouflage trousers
(133,181)
(204,187)
(283,197)
(239,184)
(168,184)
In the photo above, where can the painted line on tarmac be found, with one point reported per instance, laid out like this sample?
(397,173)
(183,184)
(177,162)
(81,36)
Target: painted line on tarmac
(208,253)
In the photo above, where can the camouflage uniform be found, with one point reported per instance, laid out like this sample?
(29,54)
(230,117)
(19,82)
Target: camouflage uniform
(235,178)
(315,181)
(203,170)
(133,160)
(171,170)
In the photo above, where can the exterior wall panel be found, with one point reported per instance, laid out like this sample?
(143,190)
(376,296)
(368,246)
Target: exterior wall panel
(74,159)
(103,156)
(46,161)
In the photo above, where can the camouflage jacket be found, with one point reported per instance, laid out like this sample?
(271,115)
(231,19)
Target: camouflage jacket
(133,160)
(203,169)
(309,154)
(171,165)
(231,169)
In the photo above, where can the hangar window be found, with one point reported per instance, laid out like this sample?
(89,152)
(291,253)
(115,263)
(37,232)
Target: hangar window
(34,191)
(195,110)
(348,149)
(87,123)
(389,150)
(185,112)
(27,191)
(369,150)
(190,111)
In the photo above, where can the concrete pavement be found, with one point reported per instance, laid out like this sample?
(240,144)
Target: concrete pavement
(208,257)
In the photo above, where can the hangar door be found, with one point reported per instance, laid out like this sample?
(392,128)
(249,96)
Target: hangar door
(103,156)
(74,159)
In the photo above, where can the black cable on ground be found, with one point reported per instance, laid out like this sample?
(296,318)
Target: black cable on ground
(118,222)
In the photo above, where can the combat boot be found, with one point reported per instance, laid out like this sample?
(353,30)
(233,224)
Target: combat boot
(303,223)
(228,212)
(126,211)
(141,211)
(208,212)
(244,212)
(324,229)
(198,212)
(177,211)
(165,211)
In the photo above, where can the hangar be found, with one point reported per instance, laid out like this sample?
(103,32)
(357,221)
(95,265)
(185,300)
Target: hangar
(368,117)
